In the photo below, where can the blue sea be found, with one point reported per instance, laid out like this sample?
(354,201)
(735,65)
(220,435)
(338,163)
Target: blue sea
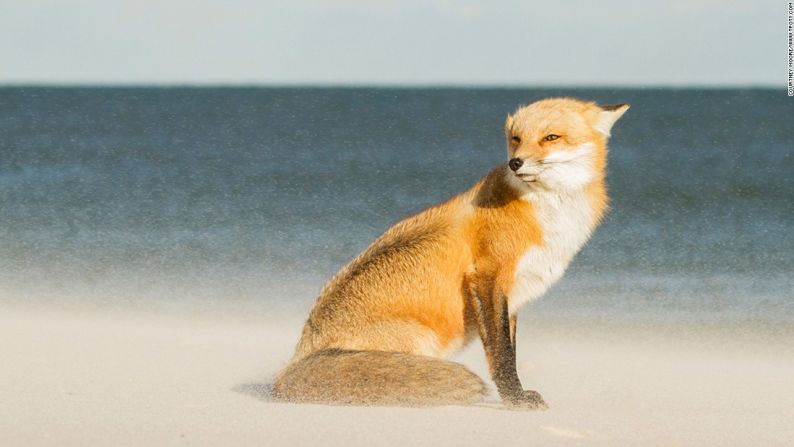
(180,197)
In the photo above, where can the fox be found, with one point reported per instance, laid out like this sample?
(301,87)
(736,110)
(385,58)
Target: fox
(382,328)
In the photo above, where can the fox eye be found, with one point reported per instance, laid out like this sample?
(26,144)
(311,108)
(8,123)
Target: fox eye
(515,139)
(550,137)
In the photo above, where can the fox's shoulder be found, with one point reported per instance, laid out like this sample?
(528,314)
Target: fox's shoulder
(501,224)
(496,190)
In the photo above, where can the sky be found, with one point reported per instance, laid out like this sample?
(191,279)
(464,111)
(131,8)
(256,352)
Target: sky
(394,42)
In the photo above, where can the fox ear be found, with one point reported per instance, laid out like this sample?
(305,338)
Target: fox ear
(607,117)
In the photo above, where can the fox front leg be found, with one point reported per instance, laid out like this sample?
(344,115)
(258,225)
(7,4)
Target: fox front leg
(529,398)
(497,331)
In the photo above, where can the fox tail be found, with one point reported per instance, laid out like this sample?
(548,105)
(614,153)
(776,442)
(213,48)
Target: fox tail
(342,377)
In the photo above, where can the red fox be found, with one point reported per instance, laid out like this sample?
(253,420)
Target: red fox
(382,327)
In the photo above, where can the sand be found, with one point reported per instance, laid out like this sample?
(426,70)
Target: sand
(107,377)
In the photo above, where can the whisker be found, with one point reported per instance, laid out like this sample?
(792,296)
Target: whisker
(577,158)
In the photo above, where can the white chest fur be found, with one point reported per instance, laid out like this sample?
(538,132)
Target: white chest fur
(566,220)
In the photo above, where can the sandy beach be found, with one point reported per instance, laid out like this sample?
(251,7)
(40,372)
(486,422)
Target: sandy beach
(94,377)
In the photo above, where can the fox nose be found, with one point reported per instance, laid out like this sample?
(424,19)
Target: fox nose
(515,164)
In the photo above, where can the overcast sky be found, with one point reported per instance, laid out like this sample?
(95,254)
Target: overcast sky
(400,42)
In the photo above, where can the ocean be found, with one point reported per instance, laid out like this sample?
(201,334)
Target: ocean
(180,197)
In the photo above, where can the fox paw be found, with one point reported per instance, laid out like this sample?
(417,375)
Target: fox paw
(527,400)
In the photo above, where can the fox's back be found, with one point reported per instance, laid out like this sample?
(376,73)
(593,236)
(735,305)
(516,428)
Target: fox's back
(409,279)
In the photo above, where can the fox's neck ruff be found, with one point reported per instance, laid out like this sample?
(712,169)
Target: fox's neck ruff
(566,218)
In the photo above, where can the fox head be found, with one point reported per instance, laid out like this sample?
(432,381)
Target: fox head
(560,143)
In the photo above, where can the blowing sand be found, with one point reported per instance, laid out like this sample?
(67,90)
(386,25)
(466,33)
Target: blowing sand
(112,378)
